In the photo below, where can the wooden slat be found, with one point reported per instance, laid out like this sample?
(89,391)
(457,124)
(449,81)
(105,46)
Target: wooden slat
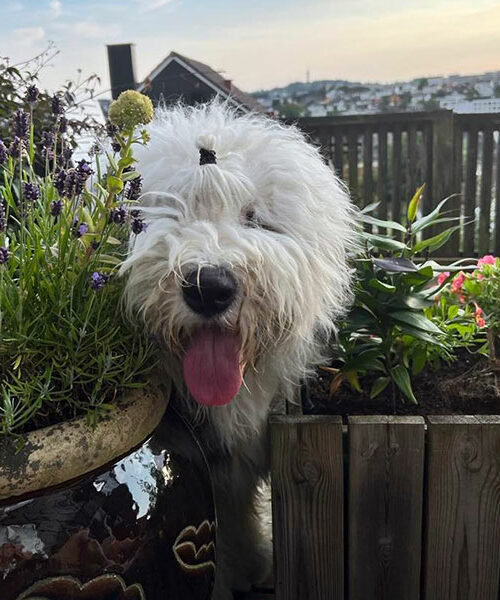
(397,198)
(338,157)
(367,167)
(428,200)
(382,172)
(386,467)
(325,141)
(452,247)
(412,159)
(497,201)
(485,195)
(463,509)
(307,492)
(352,153)
(470,190)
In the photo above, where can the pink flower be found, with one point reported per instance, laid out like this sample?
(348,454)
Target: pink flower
(442,277)
(457,283)
(478,314)
(488,259)
(480,322)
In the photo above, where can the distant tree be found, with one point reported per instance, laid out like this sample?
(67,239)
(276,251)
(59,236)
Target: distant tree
(423,82)
(431,104)
(291,110)
(384,104)
(406,98)
(471,93)
(496,90)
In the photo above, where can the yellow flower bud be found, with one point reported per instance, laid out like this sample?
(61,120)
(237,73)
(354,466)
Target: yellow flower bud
(131,109)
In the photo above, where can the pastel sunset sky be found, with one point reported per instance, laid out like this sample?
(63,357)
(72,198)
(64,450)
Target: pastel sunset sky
(262,43)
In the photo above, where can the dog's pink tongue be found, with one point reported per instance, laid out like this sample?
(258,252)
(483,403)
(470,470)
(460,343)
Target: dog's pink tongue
(212,369)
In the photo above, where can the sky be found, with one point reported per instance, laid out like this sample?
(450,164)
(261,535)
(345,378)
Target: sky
(261,43)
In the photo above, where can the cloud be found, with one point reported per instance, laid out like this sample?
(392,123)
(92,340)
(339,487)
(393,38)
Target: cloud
(28,36)
(55,8)
(150,5)
(89,30)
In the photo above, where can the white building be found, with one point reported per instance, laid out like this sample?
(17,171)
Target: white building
(483,105)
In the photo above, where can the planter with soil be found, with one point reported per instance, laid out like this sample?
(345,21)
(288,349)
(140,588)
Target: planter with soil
(123,511)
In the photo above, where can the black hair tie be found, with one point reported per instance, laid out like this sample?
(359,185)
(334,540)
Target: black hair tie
(207,157)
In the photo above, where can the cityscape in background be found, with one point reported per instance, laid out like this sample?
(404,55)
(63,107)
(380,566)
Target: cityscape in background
(460,93)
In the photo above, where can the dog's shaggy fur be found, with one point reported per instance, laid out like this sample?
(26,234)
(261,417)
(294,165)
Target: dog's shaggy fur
(273,213)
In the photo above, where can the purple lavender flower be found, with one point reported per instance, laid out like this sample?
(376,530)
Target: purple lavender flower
(3,153)
(116,147)
(95,244)
(60,181)
(118,215)
(79,229)
(4,255)
(32,93)
(56,208)
(67,155)
(57,105)
(111,129)
(31,192)
(17,147)
(84,168)
(63,125)
(3,217)
(21,124)
(71,183)
(98,281)
(48,139)
(134,188)
(138,226)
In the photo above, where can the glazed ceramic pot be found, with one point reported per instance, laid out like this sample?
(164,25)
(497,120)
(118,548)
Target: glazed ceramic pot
(121,512)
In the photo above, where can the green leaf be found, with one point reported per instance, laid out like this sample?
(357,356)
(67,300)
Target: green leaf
(385,243)
(414,202)
(395,265)
(370,207)
(415,319)
(435,242)
(380,223)
(420,335)
(419,224)
(380,286)
(401,378)
(379,386)
(114,184)
(419,361)
(453,311)
(352,378)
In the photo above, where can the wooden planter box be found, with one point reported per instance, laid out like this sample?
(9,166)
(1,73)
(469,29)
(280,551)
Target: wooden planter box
(393,508)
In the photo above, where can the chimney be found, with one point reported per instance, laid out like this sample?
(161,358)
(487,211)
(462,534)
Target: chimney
(121,68)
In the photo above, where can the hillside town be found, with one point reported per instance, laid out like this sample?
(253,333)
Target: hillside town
(460,93)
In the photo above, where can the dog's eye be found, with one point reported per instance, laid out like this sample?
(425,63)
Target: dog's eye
(252,220)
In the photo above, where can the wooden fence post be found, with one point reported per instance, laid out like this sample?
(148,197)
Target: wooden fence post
(386,469)
(307,493)
(463,508)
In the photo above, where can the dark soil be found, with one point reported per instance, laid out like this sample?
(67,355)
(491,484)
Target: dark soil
(469,385)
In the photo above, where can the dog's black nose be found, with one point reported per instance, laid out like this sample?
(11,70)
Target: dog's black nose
(210,290)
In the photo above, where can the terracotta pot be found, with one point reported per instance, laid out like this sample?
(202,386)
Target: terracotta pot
(122,512)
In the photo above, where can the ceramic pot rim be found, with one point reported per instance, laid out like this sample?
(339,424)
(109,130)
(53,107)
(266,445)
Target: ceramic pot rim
(56,454)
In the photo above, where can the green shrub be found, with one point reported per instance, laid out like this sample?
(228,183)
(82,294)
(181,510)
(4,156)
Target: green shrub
(65,348)
(397,326)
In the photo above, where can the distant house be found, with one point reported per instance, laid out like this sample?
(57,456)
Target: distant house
(176,78)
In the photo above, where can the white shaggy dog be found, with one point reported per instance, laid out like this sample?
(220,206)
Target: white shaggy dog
(242,272)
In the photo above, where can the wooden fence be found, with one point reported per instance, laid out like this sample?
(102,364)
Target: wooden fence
(386,508)
(384,157)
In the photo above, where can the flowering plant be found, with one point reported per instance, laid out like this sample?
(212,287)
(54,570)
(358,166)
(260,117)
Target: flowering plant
(65,348)
(479,292)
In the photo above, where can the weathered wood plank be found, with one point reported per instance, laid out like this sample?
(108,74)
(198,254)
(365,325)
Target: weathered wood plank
(352,153)
(497,201)
(307,492)
(463,509)
(367,166)
(338,157)
(386,468)
(485,192)
(452,247)
(382,172)
(397,198)
(412,158)
(428,198)
(470,189)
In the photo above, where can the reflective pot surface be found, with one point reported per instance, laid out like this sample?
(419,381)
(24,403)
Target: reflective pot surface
(142,528)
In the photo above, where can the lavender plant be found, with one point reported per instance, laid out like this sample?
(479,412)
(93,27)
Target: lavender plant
(65,348)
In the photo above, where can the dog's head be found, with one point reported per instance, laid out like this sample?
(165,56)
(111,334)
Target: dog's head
(243,263)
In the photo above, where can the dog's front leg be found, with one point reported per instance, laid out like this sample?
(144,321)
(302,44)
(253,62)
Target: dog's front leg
(244,555)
